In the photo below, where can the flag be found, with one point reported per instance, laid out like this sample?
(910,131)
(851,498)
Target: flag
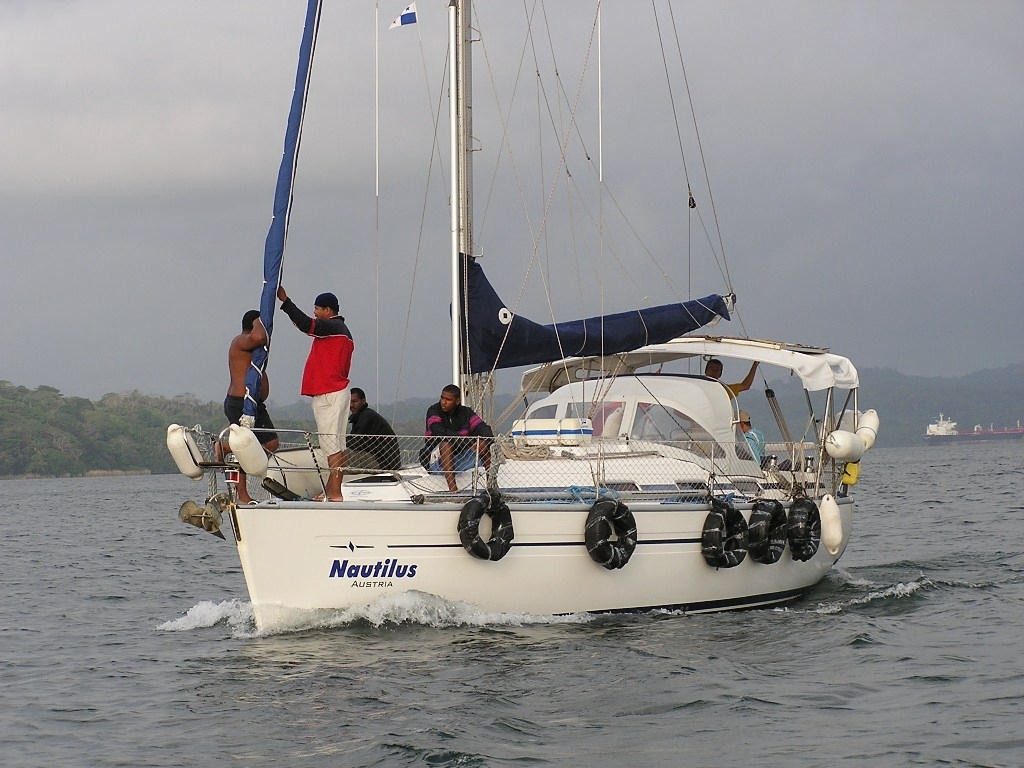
(408,17)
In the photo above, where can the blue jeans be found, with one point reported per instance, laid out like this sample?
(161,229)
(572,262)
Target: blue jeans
(462,461)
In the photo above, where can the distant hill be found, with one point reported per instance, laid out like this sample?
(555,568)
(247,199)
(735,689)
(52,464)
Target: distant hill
(46,433)
(906,404)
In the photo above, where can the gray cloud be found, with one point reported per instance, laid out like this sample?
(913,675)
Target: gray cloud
(864,159)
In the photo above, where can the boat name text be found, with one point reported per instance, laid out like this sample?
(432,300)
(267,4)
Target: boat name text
(382,569)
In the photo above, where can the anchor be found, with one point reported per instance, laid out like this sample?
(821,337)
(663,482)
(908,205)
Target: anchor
(207,517)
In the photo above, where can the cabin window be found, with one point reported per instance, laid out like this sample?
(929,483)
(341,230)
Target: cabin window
(654,421)
(544,412)
(664,424)
(605,416)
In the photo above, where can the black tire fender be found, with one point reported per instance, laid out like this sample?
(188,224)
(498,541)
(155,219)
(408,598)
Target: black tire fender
(767,531)
(608,518)
(502,532)
(723,541)
(804,529)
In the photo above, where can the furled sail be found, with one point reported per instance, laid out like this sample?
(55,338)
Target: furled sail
(499,339)
(273,252)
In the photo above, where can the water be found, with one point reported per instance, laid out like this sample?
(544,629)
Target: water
(127,640)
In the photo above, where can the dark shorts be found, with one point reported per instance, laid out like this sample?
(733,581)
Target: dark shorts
(233,410)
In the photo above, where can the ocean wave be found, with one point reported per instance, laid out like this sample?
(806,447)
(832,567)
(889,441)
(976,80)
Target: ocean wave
(236,613)
(412,608)
(875,593)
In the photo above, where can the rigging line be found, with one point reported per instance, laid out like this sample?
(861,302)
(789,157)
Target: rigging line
(563,145)
(563,155)
(571,127)
(603,385)
(558,126)
(529,14)
(562,98)
(506,145)
(618,207)
(435,153)
(628,273)
(503,144)
(689,264)
(700,147)
(646,249)
(546,233)
(376,196)
(671,94)
(600,172)
(719,259)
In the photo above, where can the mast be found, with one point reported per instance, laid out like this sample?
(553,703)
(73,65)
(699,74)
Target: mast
(461,126)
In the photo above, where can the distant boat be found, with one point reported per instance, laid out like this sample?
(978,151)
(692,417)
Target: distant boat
(945,430)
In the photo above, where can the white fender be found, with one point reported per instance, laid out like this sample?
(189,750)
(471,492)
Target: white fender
(184,451)
(844,446)
(868,427)
(247,449)
(831,524)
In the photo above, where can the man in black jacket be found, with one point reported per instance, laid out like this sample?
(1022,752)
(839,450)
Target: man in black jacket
(451,427)
(371,439)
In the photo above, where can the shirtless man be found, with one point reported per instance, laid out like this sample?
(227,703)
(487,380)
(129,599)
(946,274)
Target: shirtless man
(253,336)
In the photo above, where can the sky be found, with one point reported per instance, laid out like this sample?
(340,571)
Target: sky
(865,160)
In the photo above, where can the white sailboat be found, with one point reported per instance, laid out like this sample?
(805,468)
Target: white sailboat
(621,487)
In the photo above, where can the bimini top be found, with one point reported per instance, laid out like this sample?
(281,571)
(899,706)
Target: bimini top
(817,367)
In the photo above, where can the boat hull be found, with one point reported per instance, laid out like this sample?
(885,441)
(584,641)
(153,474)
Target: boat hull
(303,557)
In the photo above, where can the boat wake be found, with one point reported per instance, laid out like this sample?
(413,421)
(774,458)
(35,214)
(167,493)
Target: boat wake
(406,608)
(413,608)
(235,613)
(430,610)
(868,592)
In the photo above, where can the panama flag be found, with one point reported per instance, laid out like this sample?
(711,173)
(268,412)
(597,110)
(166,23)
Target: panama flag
(408,17)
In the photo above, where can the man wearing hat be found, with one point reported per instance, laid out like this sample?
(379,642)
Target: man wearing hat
(325,377)
(755,438)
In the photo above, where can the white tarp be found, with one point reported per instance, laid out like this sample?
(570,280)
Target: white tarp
(817,368)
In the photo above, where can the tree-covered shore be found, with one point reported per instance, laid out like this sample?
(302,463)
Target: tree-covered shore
(44,433)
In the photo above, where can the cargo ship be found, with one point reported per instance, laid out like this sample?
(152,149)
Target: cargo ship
(945,430)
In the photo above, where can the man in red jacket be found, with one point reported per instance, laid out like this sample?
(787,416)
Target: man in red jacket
(325,377)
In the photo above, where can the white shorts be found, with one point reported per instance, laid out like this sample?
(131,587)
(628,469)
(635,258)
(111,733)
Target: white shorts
(331,413)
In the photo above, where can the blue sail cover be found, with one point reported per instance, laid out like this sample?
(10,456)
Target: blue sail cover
(273,252)
(497,339)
